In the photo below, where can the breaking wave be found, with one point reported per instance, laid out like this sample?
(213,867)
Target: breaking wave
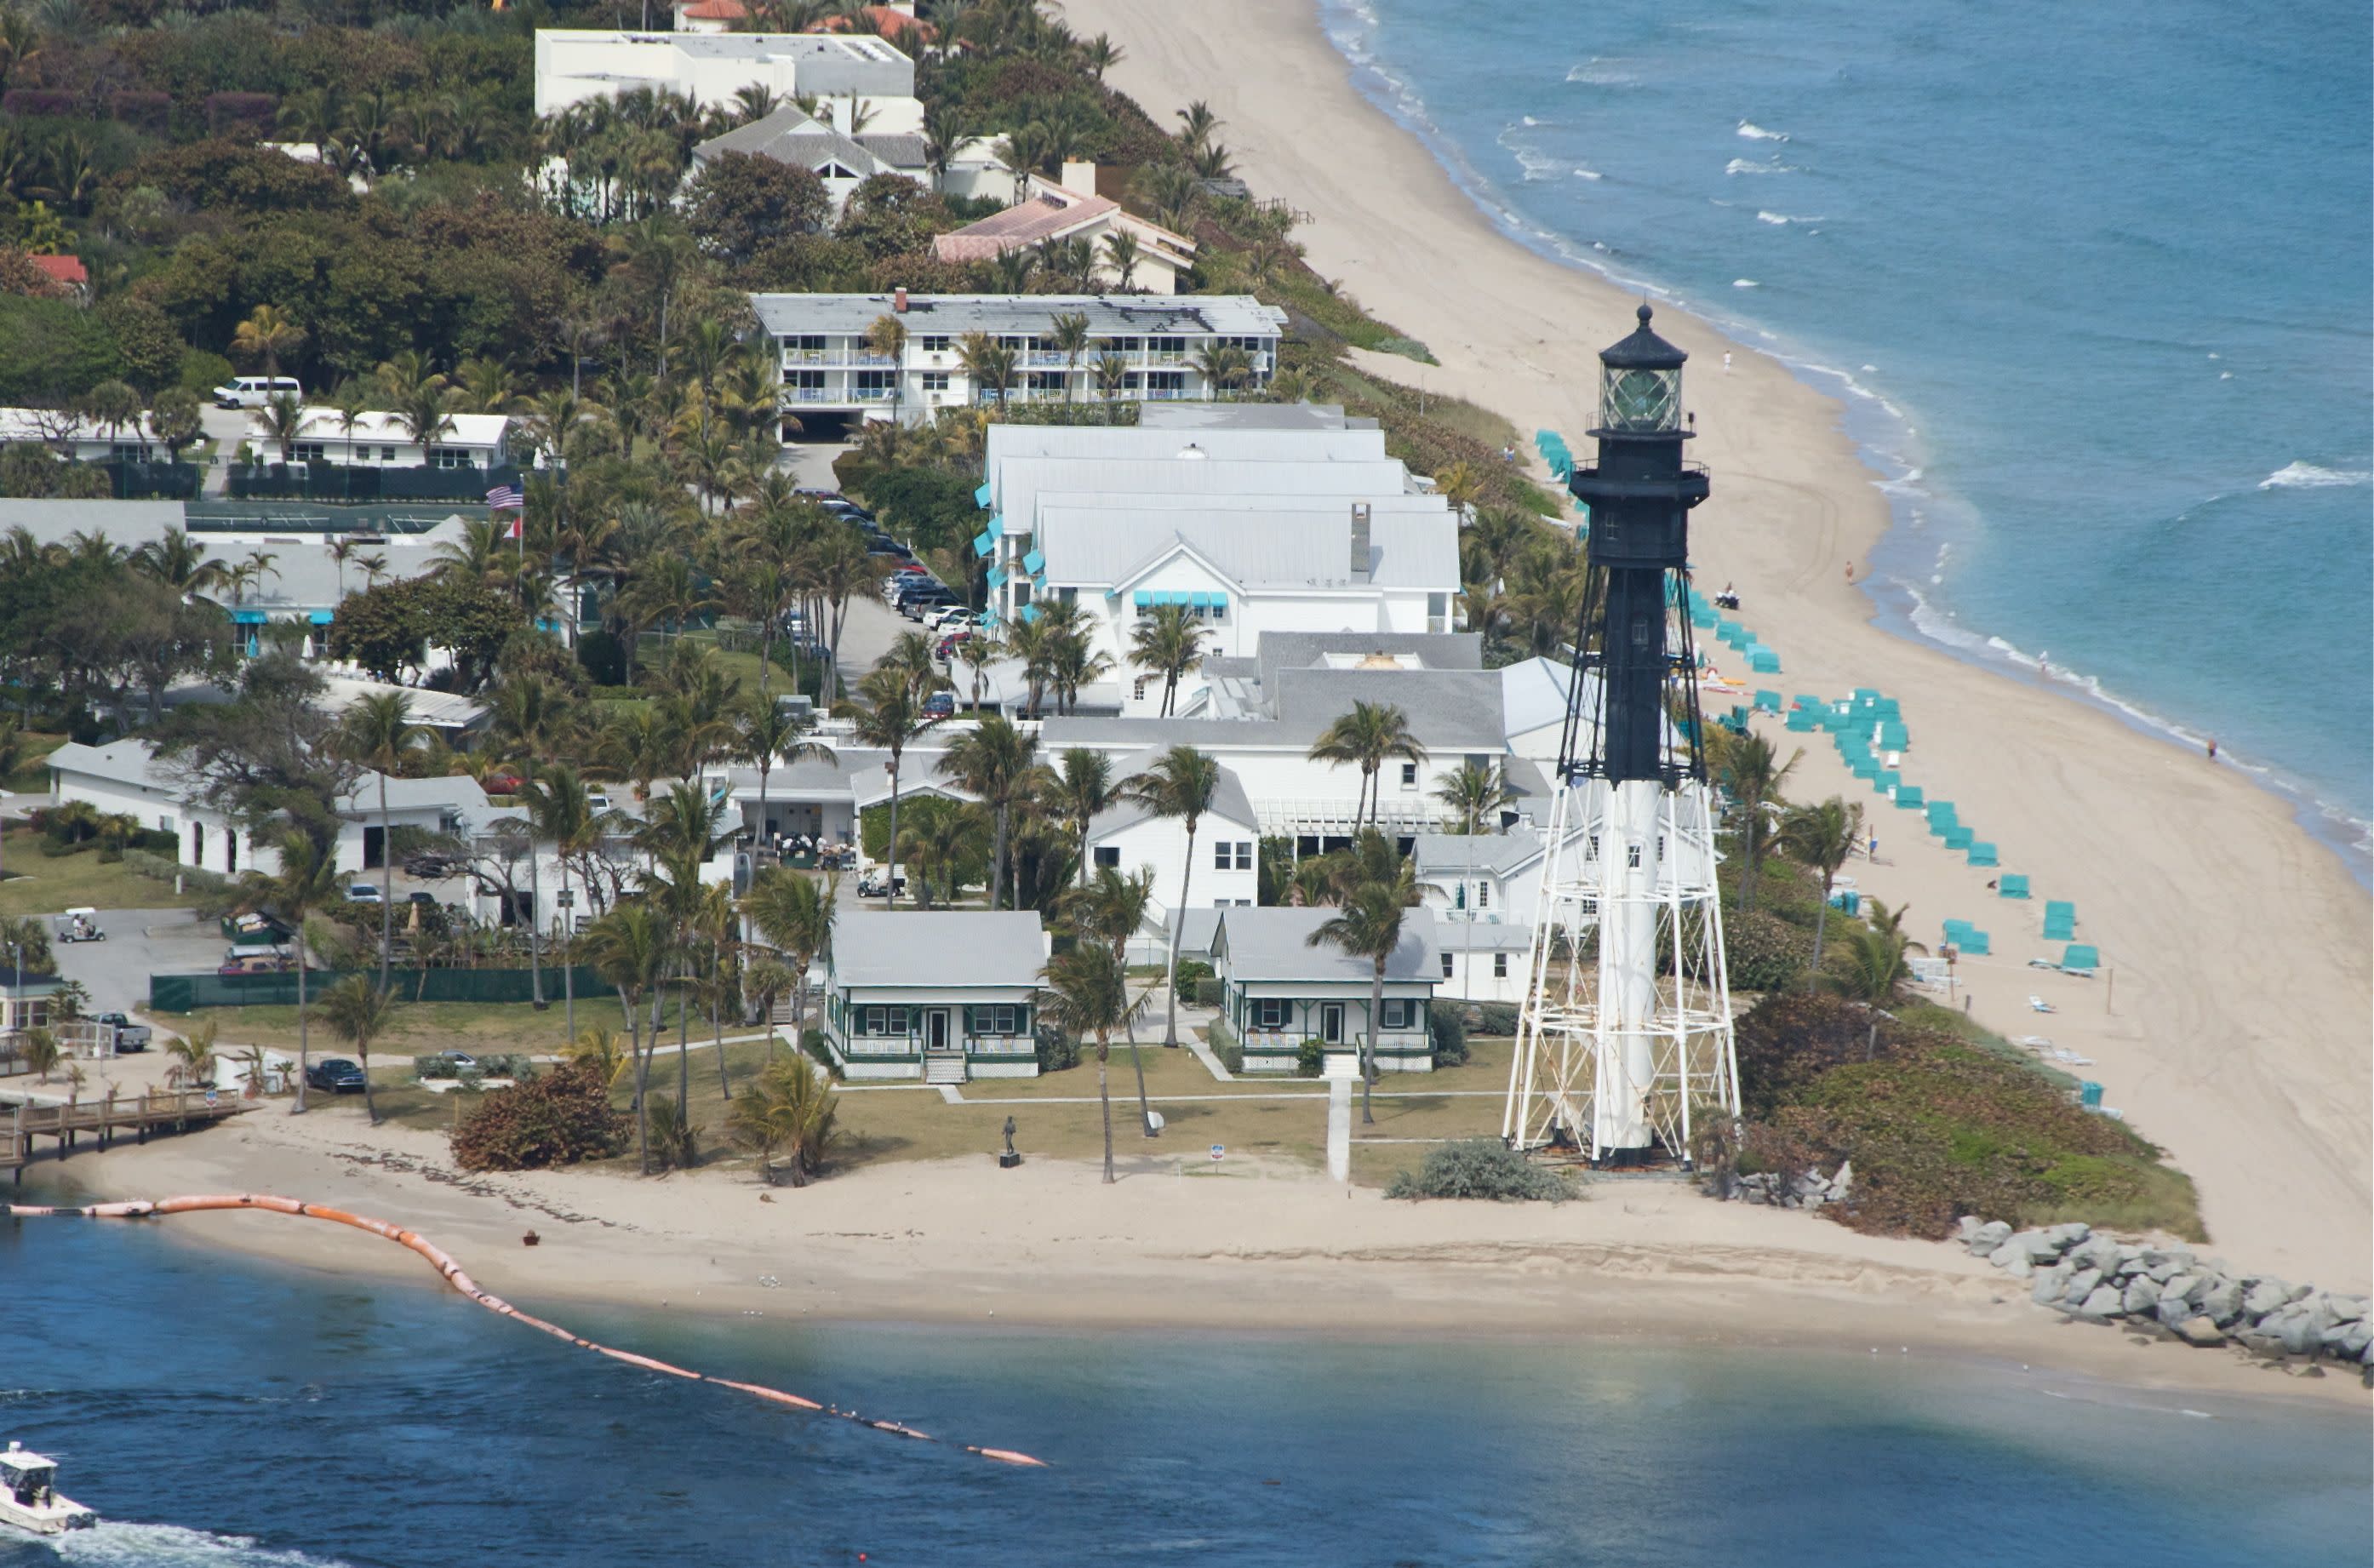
(2309,477)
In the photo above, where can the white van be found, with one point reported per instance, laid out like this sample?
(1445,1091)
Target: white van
(254,392)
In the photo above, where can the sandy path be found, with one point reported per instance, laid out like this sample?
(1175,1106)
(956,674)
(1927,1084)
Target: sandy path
(2239,1038)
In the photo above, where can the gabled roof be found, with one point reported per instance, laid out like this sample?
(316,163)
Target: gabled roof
(119,762)
(1049,216)
(1273,944)
(67,271)
(1292,545)
(1229,801)
(793,135)
(939,949)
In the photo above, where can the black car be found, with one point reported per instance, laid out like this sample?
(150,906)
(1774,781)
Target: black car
(336,1075)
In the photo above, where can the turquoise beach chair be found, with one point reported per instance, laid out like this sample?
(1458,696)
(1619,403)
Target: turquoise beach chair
(1763,660)
(1957,837)
(1907,797)
(2013,885)
(2060,920)
(2080,960)
(1983,854)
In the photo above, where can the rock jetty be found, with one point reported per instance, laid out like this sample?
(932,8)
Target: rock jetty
(2201,1301)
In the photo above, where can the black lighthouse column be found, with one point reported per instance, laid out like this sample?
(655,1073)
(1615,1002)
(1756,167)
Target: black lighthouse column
(1640,492)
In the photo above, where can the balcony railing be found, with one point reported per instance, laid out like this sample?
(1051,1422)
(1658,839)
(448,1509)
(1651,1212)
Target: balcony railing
(829,359)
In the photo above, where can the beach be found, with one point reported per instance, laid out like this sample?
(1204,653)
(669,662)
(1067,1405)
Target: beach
(2231,1026)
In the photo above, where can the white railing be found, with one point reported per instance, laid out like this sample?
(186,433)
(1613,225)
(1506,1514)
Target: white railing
(830,359)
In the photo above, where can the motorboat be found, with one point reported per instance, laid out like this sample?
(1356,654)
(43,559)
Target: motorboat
(29,1495)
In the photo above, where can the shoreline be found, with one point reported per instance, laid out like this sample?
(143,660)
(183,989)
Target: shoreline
(1281,1255)
(1897,605)
(2231,1029)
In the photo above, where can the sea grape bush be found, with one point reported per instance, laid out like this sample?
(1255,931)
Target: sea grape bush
(560,1118)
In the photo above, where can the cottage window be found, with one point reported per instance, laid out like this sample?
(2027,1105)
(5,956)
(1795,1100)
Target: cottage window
(1107,855)
(1632,855)
(1499,966)
(387,455)
(997,1020)
(934,344)
(1483,895)
(1396,1014)
(1272,1012)
(1446,966)
(1137,689)
(1244,855)
(448,457)
(309,451)
(883,1021)
(1223,854)
(935,380)
(1409,775)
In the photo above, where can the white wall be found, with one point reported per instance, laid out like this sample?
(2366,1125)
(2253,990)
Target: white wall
(1472,976)
(1161,842)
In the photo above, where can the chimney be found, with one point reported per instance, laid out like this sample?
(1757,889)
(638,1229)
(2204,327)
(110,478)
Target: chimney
(1080,175)
(1361,563)
(899,298)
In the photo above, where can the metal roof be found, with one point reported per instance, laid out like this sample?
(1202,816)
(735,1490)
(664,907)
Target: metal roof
(1273,944)
(941,949)
(1229,801)
(1303,547)
(792,136)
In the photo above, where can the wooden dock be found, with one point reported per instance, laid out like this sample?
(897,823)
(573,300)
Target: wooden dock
(161,1111)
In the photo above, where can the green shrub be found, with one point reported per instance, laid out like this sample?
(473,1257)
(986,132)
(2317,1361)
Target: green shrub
(1192,973)
(1764,953)
(1448,1027)
(1483,1168)
(1057,1051)
(1209,992)
(1496,1018)
(1310,1059)
(812,1042)
(558,1119)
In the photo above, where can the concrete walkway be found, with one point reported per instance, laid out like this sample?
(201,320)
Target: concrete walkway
(1211,1063)
(1339,1130)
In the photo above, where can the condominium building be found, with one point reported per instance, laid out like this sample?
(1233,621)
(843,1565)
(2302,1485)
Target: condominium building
(1139,348)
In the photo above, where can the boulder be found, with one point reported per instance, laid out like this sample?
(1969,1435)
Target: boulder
(2069,1235)
(2201,1331)
(2221,1303)
(1966,1228)
(2016,1245)
(2053,1283)
(2096,1252)
(2173,1310)
(2018,1266)
(2082,1284)
(2264,1297)
(2103,1303)
(2141,1295)
(2299,1335)
(1988,1237)
(2350,1341)
(2182,1287)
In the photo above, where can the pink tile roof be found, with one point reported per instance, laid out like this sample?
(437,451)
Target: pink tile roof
(1026,223)
(65,269)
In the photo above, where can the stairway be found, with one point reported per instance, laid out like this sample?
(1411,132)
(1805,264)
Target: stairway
(943,1067)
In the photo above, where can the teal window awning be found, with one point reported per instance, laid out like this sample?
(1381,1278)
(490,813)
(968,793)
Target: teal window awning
(1029,612)
(997,526)
(1148,598)
(980,496)
(1034,562)
(983,542)
(321,618)
(997,577)
(247,617)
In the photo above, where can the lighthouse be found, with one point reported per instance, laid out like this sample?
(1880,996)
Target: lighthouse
(1624,1044)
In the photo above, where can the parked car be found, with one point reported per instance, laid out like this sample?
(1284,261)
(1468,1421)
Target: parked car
(425,900)
(912,606)
(255,391)
(362,892)
(335,1074)
(502,783)
(256,963)
(940,705)
(129,1036)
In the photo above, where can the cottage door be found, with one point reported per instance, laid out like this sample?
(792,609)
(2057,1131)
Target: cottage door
(1330,1022)
(935,1030)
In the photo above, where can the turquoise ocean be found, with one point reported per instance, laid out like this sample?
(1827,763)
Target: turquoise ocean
(2093,282)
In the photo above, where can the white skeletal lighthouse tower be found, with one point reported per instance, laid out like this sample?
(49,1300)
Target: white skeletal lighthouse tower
(1624,1046)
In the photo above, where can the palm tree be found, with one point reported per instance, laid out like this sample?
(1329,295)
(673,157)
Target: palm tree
(630,947)
(1822,837)
(1370,925)
(941,846)
(1196,123)
(1367,737)
(267,334)
(1112,909)
(1089,995)
(359,1012)
(1751,773)
(1069,333)
(790,1107)
(284,421)
(1077,790)
(1224,367)
(1475,790)
(1182,783)
(561,813)
(378,732)
(680,833)
(891,715)
(307,879)
(1112,374)
(988,362)
(1875,970)
(997,764)
(796,914)
(1168,642)
(766,733)
(1100,54)
(886,335)
(193,1053)
(1121,250)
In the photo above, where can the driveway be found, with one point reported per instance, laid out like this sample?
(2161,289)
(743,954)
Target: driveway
(140,942)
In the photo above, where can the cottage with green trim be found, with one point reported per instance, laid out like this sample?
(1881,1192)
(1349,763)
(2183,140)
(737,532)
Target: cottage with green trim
(1278,991)
(943,997)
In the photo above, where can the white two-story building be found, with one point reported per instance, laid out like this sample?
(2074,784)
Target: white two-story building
(858,82)
(1158,349)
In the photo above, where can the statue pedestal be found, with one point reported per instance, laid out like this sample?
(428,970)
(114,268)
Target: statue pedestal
(1008,1158)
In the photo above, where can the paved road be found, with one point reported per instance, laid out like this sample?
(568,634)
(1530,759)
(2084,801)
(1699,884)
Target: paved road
(140,942)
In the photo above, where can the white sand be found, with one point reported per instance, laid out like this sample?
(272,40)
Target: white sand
(2239,1037)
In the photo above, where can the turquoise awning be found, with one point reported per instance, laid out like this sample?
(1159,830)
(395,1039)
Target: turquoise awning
(321,618)
(1034,562)
(997,526)
(997,577)
(1029,612)
(983,542)
(247,617)
(980,496)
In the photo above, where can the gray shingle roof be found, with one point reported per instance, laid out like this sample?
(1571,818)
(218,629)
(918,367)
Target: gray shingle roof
(792,136)
(943,949)
(1498,853)
(1272,945)
(1229,801)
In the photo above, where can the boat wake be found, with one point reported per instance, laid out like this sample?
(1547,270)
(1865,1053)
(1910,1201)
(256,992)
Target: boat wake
(2309,477)
(172,1546)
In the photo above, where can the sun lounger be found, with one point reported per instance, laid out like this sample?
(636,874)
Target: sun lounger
(2060,920)
(1909,796)
(2039,1005)
(2080,960)
(2013,885)
(1983,854)
(2036,1042)
(2071,1059)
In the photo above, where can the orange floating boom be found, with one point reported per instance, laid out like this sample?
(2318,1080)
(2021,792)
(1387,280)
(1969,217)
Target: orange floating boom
(443,1262)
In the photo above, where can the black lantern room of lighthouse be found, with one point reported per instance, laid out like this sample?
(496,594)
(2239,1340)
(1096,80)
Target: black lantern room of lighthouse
(1634,629)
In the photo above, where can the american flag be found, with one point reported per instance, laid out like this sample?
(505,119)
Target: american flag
(506,498)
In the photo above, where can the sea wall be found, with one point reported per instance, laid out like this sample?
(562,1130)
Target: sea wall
(2101,1280)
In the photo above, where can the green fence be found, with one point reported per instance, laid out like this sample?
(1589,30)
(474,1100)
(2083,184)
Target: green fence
(363,482)
(187,993)
(134,480)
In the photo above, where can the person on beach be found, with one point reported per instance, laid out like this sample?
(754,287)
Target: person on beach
(1726,361)
(1872,853)
(2213,749)
(1851,573)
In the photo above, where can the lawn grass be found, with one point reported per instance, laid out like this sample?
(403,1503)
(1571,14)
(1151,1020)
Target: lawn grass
(39,884)
(33,776)
(426,1028)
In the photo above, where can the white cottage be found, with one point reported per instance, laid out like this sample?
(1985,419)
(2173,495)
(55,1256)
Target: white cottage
(945,996)
(1280,993)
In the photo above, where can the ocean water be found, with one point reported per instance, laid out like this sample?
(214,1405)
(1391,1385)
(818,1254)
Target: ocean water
(2093,281)
(223,1414)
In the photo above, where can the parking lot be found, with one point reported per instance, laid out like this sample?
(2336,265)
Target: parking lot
(140,942)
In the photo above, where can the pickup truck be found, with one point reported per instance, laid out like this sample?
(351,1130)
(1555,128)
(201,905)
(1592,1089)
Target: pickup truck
(129,1036)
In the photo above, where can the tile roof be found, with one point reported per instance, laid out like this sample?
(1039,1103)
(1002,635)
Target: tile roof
(1045,217)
